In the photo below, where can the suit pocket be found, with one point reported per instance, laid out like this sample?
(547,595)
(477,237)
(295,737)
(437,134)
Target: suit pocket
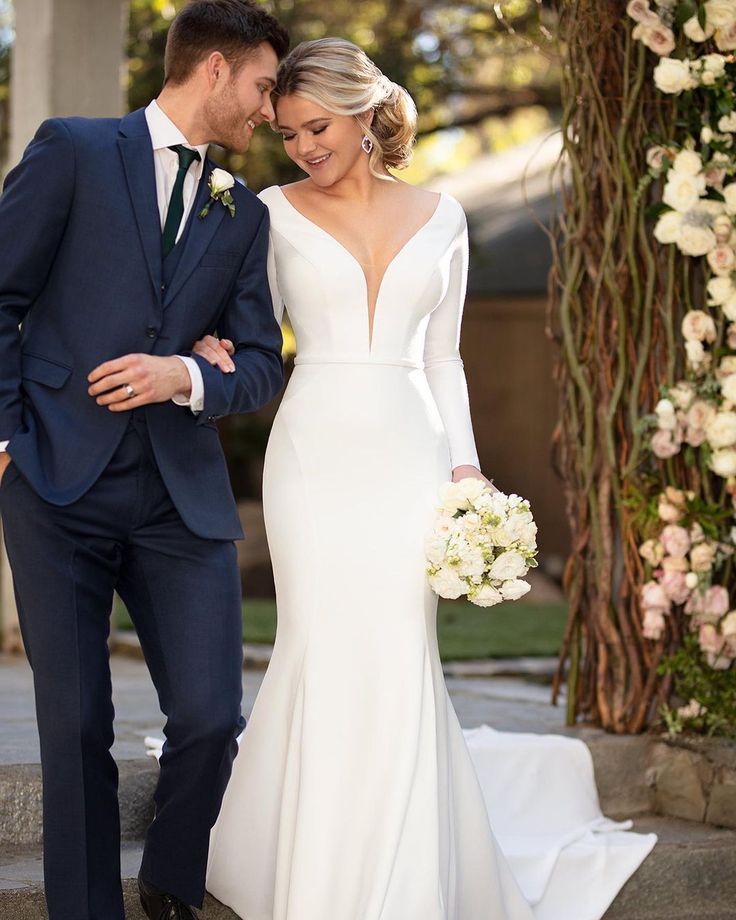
(221,259)
(44,370)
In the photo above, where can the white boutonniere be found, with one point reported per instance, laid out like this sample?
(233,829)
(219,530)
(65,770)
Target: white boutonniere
(220,183)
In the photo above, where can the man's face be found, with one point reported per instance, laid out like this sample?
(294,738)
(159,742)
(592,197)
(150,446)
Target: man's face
(241,101)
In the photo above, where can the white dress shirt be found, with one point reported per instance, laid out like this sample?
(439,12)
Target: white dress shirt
(165,134)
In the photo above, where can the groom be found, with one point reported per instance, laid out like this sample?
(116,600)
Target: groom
(112,473)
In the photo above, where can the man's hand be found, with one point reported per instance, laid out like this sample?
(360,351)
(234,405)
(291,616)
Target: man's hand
(472,472)
(4,463)
(154,380)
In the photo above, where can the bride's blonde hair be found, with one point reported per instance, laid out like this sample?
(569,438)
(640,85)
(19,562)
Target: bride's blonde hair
(341,78)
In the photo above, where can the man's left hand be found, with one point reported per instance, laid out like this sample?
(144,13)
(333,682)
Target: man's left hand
(154,379)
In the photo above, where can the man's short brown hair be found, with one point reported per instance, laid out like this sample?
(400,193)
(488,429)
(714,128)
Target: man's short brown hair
(235,28)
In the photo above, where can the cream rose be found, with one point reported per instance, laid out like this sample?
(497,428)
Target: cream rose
(701,557)
(652,551)
(514,589)
(673,76)
(728,388)
(723,462)
(667,229)
(714,63)
(487,596)
(694,31)
(698,326)
(727,122)
(722,260)
(695,352)
(682,190)
(721,430)
(720,13)
(726,38)
(695,240)
(688,163)
(665,412)
(719,290)
(507,566)
(729,194)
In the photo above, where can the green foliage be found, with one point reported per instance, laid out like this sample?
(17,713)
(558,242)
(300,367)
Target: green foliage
(695,679)
(6,43)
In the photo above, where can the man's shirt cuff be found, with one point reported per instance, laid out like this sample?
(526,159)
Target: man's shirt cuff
(196,400)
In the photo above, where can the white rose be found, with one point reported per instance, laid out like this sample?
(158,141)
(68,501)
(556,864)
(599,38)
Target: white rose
(707,78)
(688,163)
(514,589)
(695,33)
(447,583)
(435,548)
(698,326)
(221,180)
(508,565)
(682,191)
(719,290)
(722,259)
(723,462)
(706,134)
(667,229)
(714,63)
(470,488)
(673,76)
(471,563)
(729,308)
(723,226)
(665,412)
(728,624)
(695,241)
(695,352)
(727,122)
(719,13)
(487,596)
(728,388)
(729,194)
(721,430)
(726,38)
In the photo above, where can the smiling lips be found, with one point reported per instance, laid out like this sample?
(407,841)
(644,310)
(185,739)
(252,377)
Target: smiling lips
(315,164)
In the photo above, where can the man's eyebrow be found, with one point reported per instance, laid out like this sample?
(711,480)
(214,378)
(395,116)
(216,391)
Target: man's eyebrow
(270,80)
(306,124)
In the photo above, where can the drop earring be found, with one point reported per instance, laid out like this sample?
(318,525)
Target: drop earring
(366,143)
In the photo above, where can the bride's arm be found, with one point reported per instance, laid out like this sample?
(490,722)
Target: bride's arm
(444,367)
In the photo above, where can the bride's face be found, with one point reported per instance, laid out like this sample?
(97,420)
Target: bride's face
(326,146)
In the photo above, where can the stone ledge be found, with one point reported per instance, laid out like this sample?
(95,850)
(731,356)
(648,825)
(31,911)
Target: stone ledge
(690,873)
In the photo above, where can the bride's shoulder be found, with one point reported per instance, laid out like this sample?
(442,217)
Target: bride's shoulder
(270,194)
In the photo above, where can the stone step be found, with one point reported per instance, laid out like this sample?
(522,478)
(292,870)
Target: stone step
(21,803)
(21,887)
(691,873)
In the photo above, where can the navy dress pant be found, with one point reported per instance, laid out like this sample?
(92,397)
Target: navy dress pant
(183,594)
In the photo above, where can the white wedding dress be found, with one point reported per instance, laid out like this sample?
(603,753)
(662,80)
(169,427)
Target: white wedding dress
(354,795)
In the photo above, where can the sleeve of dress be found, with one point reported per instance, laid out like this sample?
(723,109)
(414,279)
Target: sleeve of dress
(278,301)
(442,362)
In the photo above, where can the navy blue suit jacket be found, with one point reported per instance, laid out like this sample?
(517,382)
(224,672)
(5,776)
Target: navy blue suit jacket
(80,272)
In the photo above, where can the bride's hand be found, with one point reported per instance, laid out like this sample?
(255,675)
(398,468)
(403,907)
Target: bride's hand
(472,472)
(217,351)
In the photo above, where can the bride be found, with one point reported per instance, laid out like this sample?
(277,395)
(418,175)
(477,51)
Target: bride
(354,795)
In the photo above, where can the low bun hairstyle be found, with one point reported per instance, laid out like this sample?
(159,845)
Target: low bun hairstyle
(341,78)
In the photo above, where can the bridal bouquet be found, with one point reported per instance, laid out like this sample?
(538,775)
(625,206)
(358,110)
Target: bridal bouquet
(482,544)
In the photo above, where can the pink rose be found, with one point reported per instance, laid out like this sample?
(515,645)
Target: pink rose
(716,601)
(663,444)
(675,540)
(653,626)
(653,595)
(675,587)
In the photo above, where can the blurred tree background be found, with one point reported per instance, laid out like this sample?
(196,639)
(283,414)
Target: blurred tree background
(484,74)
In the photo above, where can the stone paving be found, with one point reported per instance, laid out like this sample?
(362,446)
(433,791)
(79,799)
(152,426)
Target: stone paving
(506,703)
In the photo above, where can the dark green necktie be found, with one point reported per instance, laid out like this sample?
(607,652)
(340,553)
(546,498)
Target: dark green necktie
(176,203)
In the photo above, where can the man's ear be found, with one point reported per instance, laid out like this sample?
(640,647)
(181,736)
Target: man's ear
(216,68)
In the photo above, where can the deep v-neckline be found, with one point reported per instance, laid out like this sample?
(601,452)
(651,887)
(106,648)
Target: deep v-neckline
(370,309)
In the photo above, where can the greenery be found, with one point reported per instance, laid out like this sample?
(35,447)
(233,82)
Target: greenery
(465,631)
(695,679)
(6,41)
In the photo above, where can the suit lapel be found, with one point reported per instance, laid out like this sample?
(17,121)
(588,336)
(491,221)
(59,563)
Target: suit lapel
(137,153)
(199,237)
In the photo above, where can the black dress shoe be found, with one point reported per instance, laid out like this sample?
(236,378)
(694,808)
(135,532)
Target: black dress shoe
(161,906)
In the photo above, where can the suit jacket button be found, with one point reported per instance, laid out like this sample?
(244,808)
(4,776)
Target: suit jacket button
(152,332)
(163,287)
